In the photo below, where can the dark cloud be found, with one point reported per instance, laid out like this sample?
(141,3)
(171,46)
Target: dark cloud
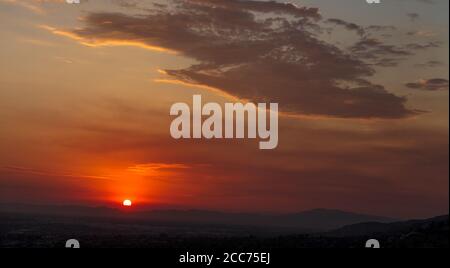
(274,57)
(379,28)
(422,46)
(430,85)
(413,16)
(387,62)
(348,25)
(261,6)
(372,48)
(376,52)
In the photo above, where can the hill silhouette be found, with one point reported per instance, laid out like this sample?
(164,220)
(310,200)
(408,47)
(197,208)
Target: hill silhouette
(307,221)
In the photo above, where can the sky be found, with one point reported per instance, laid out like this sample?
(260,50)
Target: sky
(86,90)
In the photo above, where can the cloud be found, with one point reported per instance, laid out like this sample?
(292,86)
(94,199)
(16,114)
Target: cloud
(377,52)
(32,171)
(373,48)
(430,64)
(380,28)
(348,25)
(413,16)
(155,168)
(260,6)
(423,46)
(421,33)
(430,84)
(259,51)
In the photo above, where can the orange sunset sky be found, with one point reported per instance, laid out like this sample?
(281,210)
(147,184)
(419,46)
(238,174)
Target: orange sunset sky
(85,94)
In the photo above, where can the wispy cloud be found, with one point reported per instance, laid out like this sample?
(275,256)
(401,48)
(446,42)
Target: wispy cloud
(50,173)
(151,168)
(434,84)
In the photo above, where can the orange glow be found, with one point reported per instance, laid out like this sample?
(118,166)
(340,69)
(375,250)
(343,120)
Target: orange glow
(106,42)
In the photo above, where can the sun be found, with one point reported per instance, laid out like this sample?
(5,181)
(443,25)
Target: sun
(127,203)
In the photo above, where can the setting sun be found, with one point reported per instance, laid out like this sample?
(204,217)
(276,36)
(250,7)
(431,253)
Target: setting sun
(127,203)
